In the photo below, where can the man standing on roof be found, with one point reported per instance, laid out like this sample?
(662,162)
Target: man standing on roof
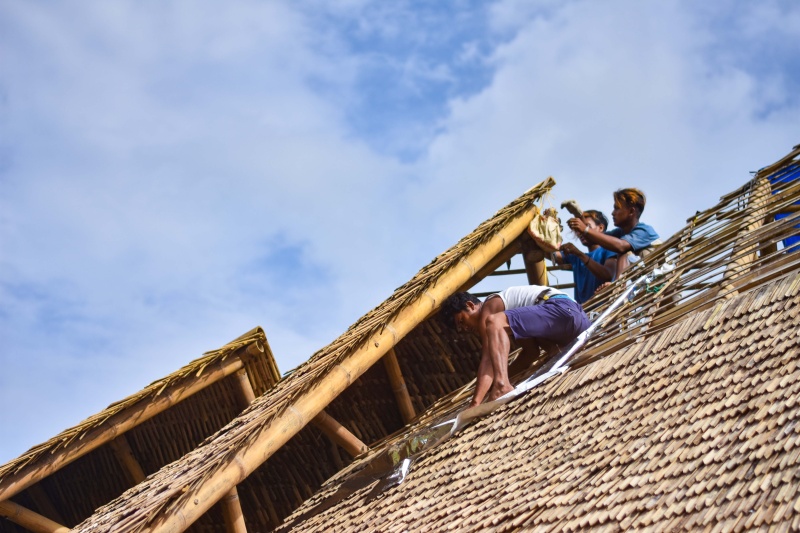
(592,269)
(629,235)
(527,312)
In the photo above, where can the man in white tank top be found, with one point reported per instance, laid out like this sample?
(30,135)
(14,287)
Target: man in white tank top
(527,312)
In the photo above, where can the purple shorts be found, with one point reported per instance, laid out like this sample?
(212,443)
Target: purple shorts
(558,319)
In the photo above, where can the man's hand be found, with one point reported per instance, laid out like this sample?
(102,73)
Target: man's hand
(602,287)
(577,225)
(569,248)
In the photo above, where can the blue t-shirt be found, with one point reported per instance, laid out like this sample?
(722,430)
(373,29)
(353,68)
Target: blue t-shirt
(586,282)
(640,237)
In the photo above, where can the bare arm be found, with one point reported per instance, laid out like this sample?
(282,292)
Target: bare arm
(486,369)
(608,242)
(601,272)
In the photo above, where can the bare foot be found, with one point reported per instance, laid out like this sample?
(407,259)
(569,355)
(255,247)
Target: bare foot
(497,391)
(603,287)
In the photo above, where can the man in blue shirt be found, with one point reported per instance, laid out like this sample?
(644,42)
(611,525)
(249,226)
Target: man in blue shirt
(629,235)
(589,270)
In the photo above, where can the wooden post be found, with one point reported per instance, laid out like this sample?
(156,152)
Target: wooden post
(533,257)
(232,511)
(339,434)
(399,386)
(244,389)
(117,425)
(231,506)
(30,520)
(270,437)
(124,454)
(744,250)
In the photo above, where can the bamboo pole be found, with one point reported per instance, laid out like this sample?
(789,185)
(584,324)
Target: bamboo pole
(504,256)
(30,520)
(244,389)
(272,436)
(116,425)
(399,386)
(232,511)
(231,506)
(339,434)
(124,454)
(744,253)
(533,257)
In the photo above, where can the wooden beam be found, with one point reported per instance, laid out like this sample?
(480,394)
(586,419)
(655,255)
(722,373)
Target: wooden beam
(533,257)
(399,386)
(559,286)
(244,389)
(339,434)
(788,210)
(270,437)
(232,511)
(116,425)
(231,506)
(494,263)
(124,454)
(512,272)
(744,250)
(517,271)
(30,520)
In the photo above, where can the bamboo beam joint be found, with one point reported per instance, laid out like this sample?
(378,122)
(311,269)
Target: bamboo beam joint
(124,454)
(244,389)
(339,434)
(232,512)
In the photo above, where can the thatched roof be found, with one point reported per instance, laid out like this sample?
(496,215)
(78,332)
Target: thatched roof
(434,362)
(681,414)
(69,476)
(695,428)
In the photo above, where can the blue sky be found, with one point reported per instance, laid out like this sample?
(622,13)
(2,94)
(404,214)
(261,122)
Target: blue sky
(175,173)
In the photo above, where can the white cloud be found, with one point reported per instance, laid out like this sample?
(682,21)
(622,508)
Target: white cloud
(609,95)
(173,174)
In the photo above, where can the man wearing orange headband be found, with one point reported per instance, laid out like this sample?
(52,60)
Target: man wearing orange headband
(629,235)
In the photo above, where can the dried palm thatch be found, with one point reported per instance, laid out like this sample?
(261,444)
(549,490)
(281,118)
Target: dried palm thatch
(694,429)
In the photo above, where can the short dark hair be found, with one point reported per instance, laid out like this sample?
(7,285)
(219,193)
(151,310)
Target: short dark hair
(632,198)
(454,305)
(598,217)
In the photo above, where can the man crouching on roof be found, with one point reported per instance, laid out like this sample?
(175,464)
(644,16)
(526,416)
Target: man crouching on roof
(527,312)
